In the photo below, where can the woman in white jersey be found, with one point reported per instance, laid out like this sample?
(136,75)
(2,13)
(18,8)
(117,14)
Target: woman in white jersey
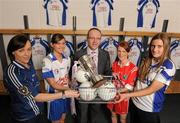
(55,72)
(155,74)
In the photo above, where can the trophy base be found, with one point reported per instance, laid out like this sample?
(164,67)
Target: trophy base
(99,83)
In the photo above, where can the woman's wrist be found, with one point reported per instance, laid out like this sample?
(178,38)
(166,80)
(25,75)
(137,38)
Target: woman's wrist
(63,94)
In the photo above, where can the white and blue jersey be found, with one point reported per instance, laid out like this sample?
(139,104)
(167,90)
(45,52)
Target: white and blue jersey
(175,53)
(53,68)
(110,45)
(40,48)
(147,12)
(56,12)
(154,101)
(102,12)
(22,85)
(82,45)
(69,51)
(136,49)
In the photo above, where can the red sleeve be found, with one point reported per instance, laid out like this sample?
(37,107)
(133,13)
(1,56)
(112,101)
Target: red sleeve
(132,77)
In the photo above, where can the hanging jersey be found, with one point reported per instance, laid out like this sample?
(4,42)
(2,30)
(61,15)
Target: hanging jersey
(154,102)
(136,48)
(55,12)
(82,45)
(102,12)
(53,68)
(147,11)
(175,53)
(110,45)
(69,51)
(40,48)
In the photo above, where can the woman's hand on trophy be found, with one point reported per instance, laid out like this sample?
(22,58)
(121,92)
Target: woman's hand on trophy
(115,75)
(71,93)
(121,97)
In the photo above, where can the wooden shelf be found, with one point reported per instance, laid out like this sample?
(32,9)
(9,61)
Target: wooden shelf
(83,32)
(173,88)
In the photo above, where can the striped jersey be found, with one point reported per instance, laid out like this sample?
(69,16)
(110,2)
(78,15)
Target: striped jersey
(154,102)
(22,85)
(53,68)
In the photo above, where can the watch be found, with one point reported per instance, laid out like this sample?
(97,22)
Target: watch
(63,94)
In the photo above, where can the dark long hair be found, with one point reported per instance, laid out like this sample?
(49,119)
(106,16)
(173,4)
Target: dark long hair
(16,42)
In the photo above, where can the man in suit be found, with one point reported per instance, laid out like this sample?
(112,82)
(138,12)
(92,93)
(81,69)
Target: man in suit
(94,113)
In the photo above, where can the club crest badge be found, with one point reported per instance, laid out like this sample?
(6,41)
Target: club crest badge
(24,90)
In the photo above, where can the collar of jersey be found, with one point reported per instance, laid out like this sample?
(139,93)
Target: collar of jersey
(19,65)
(53,57)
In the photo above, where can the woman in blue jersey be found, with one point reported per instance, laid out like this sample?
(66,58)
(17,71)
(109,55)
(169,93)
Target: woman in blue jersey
(155,74)
(22,84)
(55,71)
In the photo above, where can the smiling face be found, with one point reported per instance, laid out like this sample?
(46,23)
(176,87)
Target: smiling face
(157,48)
(58,48)
(94,39)
(122,54)
(23,55)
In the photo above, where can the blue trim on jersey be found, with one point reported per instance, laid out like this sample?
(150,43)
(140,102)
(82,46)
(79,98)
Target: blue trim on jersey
(94,2)
(64,2)
(174,45)
(168,64)
(139,44)
(142,3)
(106,42)
(82,45)
(159,99)
(48,74)
(70,47)
(43,42)
(166,75)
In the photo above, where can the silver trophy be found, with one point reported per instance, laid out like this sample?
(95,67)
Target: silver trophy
(87,63)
